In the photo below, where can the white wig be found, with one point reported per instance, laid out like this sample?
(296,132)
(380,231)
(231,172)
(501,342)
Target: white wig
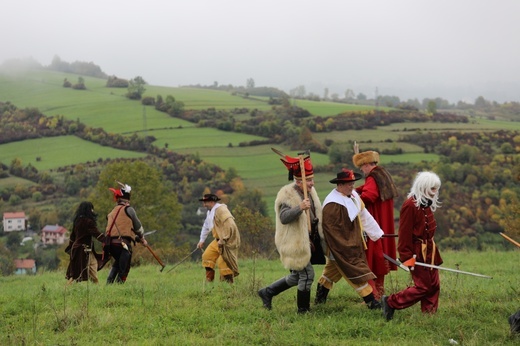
(422,189)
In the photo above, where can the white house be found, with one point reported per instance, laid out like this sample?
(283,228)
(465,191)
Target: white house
(53,234)
(16,221)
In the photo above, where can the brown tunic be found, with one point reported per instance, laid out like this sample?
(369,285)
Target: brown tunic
(343,238)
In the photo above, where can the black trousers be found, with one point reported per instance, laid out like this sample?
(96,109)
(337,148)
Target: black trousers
(121,267)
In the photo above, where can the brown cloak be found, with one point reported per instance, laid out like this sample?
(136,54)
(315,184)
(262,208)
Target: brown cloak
(343,238)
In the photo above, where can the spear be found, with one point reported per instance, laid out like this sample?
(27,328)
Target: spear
(511,240)
(155,256)
(182,260)
(412,263)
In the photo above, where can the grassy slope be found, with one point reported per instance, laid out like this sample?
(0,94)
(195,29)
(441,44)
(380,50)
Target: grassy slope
(260,168)
(60,151)
(178,307)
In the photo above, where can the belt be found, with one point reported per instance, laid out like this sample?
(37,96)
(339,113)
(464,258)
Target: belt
(119,241)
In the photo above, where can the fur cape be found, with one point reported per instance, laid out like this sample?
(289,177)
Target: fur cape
(292,240)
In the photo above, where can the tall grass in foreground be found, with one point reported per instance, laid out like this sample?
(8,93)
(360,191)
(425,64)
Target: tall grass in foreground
(179,308)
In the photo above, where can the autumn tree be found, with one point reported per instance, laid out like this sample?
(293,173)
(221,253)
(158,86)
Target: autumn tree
(153,198)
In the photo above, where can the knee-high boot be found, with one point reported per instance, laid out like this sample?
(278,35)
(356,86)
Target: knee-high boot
(267,293)
(321,294)
(304,301)
(112,275)
(210,274)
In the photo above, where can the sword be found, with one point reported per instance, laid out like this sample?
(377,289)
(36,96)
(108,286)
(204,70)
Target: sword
(151,232)
(396,262)
(412,263)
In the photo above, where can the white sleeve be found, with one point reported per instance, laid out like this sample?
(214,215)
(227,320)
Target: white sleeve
(370,225)
(204,231)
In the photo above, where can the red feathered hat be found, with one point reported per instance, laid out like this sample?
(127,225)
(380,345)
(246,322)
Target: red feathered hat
(293,165)
(123,192)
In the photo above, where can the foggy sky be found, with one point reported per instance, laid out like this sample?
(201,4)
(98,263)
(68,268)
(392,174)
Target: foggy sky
(454,49)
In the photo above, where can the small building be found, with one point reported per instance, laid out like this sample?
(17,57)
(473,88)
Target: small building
(16,221)
(53,234)
(24,266)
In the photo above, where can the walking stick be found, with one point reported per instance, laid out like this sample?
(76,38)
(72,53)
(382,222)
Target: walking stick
(511,240)
(304,184)
(155,256)
(182,260)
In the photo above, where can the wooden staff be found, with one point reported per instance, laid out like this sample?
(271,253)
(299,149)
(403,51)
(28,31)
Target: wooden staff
(304,183)
(511,240)
(155,256)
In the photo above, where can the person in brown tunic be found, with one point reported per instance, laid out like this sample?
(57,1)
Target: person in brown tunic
(83,262)
(344,220)
(123,229)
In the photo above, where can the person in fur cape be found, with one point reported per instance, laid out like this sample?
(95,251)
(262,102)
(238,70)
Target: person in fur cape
(378,193)
(292,234)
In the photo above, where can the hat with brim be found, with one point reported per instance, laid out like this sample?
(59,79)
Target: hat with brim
(209,197)
(346,176)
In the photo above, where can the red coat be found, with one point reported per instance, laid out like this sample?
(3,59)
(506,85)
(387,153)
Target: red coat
(383,213)
(417,228)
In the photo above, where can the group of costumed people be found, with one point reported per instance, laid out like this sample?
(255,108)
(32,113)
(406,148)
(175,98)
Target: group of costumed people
(345,234)
(124,230)
(352,234)
(351,225)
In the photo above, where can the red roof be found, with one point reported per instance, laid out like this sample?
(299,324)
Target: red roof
(54,229)
(24,263)
(15,215)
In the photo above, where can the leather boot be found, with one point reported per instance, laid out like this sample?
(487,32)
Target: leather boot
(371,302)
(228,278)
(112,275)
(210,274)
(267,293)
(321,294)
(304,301)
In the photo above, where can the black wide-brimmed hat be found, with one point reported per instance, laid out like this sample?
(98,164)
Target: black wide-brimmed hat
(345,176)
(209,197)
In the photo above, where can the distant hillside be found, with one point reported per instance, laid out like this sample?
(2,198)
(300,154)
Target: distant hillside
(476,169)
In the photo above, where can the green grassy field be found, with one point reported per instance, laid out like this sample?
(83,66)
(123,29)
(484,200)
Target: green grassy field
(176,307)
(57,152)
(258,166)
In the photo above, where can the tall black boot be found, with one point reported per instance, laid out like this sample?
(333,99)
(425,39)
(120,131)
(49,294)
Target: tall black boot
(371,302)
(321,294)
(267,293)
(112,275)
(304,301)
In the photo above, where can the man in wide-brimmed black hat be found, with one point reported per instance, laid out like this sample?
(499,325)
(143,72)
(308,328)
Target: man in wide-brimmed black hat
(344,220)
(223,250)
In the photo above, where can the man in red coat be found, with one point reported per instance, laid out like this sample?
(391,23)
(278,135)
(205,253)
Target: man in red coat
(378,193)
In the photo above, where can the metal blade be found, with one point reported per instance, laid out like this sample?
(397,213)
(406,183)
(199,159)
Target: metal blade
(396,262)
(451,270)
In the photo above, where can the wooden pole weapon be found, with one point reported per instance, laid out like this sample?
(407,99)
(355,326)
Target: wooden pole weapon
(304,184)
(155,256)
(509,239)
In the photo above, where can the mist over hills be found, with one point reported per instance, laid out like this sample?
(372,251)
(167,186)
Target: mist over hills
(500,92)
